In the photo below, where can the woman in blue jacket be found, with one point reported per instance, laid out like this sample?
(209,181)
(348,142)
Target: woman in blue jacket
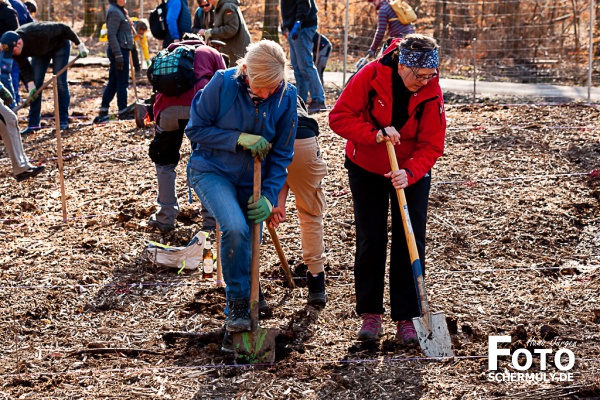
(243,112)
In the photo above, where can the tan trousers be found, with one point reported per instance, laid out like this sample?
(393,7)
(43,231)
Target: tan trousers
(305,175)
(9,132)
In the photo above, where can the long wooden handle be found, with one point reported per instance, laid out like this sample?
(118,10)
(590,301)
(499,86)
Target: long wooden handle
(133,76)
(220,281)
(415,261)
(254,275)
(59,149)
(282,258)
(46,84)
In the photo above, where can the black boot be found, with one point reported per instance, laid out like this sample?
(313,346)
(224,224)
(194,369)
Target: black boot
(227,345)
(263,307)
(316,289)
(101,117)
(238,318)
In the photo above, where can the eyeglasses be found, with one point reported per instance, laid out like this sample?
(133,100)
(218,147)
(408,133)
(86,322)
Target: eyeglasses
(205,5)
(422,78)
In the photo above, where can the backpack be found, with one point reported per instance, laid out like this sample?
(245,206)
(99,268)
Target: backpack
(172,72)
(403,11)
(158,21)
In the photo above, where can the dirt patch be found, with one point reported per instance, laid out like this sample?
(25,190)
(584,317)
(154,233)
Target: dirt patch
(513,248)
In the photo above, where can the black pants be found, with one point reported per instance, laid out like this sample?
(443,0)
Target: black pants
(372,194)
(136,59)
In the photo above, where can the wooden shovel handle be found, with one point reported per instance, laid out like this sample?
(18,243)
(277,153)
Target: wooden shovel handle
(282,258)
(133,82)
(415,261)
(46,84)
(254,274)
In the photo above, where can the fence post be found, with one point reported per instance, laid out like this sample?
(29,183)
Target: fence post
(474,68)
(591,51)
(345,42)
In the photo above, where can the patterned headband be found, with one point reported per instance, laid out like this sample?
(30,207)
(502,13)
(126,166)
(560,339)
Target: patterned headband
(419,59)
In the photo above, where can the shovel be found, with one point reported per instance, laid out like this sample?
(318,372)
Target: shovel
(46,84)
(432,329)
(258,345)
(139,111)
(284,264)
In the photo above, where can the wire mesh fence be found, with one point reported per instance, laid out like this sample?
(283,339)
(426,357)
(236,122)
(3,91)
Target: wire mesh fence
(526,41)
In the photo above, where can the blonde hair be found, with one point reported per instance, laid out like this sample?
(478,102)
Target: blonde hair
(266,65)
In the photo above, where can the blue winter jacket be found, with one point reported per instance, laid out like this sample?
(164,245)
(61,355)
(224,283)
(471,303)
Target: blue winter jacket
(179,20)
(222,111)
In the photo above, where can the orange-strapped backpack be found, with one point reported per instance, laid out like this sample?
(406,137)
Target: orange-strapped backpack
(404,12)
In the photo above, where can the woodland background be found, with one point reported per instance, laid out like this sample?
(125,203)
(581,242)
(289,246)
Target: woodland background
(531,41)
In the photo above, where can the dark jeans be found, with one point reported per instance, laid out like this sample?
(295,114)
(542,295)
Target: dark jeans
(135,57)
(372,194)
(40,66)
(118,82)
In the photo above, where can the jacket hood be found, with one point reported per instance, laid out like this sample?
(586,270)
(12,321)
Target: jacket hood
(220,3)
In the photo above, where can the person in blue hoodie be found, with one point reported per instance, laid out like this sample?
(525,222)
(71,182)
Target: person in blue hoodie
(243,112)
(179,21)
(24,17)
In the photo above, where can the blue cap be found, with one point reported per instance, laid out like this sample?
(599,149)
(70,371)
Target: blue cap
(9,41)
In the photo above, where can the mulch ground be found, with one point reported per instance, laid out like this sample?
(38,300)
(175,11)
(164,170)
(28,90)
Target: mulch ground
(513,249)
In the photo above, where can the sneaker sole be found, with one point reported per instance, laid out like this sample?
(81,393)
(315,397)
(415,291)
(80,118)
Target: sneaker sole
(238,329)
(367,336)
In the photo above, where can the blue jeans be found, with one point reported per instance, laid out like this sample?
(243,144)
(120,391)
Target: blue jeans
(305,72)
(118,82)
(40,66)
(227,202)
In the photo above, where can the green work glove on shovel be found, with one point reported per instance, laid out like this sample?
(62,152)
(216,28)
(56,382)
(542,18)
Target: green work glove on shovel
(258,145)
(5,96)
(31,89)
(260,210)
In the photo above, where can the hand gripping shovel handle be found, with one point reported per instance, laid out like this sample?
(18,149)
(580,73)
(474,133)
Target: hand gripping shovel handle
(282,259)
(45,85)
(410,237)
(254,275)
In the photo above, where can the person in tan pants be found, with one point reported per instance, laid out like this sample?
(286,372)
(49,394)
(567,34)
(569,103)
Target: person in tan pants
(305,175)
(9,132)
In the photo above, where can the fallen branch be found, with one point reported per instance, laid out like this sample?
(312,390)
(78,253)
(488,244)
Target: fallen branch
(114,350)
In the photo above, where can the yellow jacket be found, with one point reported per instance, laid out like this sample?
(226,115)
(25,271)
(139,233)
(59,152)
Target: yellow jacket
(140,40)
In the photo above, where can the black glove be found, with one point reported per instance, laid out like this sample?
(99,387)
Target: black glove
(5,96)
(119,63)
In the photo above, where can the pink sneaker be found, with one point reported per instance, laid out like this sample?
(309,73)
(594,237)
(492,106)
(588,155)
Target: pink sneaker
(371,327)
(406,332)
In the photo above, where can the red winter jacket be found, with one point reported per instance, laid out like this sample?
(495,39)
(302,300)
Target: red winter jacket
(421,138)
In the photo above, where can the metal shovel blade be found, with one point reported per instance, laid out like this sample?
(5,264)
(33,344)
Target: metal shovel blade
(255,347)
(140,113)
(433,335)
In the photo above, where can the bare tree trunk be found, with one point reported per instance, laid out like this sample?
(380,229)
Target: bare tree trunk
(271,21)
(89,17)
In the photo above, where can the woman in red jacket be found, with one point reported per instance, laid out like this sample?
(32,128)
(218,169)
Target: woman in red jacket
(395,98)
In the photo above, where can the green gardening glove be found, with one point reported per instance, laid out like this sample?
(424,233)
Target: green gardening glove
(5,96)
(31,89)
(260,210)
(258,145)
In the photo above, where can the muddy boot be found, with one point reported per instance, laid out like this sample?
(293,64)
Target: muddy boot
(238,318)
(316,289)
